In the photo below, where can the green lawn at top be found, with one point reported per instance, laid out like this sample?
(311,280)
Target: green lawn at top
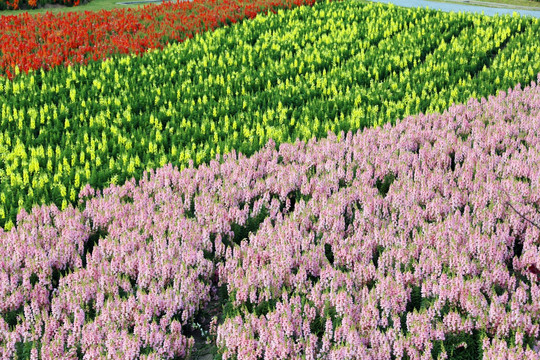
(93,5)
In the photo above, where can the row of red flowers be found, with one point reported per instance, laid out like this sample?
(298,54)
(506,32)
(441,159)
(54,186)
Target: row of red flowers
(44,41)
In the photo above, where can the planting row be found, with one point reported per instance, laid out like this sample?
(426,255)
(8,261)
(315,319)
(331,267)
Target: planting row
(33,42)
(409,241)
(294,74)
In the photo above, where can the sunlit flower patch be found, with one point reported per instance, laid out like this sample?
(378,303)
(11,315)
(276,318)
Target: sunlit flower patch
(418,240)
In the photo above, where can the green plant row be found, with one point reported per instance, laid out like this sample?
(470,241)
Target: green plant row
(295,74)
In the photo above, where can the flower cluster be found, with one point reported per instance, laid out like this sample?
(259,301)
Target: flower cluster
(125,288)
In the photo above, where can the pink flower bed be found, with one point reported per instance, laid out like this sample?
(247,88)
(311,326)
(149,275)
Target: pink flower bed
(409,240)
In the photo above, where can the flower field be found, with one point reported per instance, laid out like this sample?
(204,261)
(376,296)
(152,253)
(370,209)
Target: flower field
(392,241)
(295,74)
(343,180)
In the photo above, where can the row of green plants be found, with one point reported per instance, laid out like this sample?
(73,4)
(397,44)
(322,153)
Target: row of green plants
(294,74)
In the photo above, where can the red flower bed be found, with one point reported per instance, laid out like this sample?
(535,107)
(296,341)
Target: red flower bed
(45,41)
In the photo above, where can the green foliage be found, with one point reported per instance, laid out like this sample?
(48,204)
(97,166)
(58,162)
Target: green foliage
(378,252)
(384,185)
(459,346)
(329,253)
(252,224)
(23,349)
(262,308)
(416,299)
(11,317)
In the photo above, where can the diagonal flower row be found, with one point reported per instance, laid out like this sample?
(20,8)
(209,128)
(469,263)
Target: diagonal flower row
(410,239)
(34,42)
